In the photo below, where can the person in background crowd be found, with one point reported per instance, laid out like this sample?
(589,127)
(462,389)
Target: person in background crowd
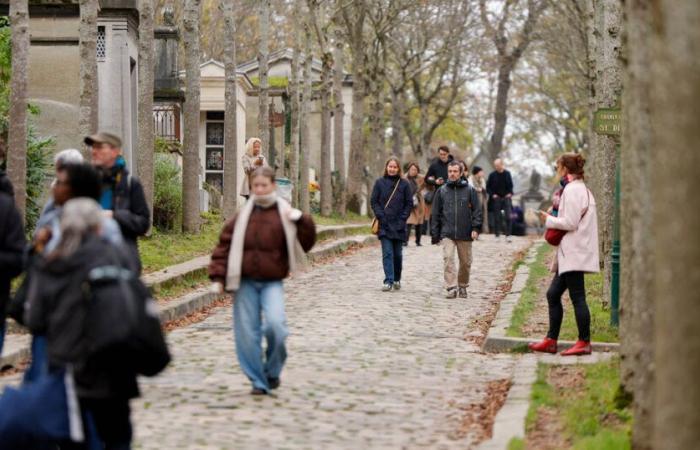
(122,194)
(437,172)
(67,156)
(73,180)
(57,309)
(251,160)
(576,254)
(500,189)
(257,249)
(479,183)
(12,244)
(415,220)
(465,171)
(392,203)
(456,222)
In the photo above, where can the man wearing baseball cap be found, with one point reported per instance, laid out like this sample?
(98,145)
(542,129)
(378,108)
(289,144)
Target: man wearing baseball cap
(122,194)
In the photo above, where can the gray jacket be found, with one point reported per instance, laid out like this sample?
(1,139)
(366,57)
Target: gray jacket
(456,212)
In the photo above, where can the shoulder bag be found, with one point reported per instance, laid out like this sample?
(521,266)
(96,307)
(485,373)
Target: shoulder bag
(554,236)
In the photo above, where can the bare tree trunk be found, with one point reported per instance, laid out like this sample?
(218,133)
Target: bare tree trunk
(357,163)
(608,92)
(326,184)
(636,265)
(304,123)
(146,136)
(17,131)
(87,121)
(294,99)
(263,100)
(190,161)
(675,95)
(501,112)
(397,112)
(230,114)
(339,124)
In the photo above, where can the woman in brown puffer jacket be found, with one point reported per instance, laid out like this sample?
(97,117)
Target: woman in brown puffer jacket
(257,249)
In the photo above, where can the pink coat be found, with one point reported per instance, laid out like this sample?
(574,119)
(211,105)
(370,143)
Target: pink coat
(578,250)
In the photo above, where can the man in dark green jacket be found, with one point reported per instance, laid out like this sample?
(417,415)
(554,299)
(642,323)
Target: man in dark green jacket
(456,222)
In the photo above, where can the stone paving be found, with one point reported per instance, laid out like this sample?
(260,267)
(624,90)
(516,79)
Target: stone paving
(366,369)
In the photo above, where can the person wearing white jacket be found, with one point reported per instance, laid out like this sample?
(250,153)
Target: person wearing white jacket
(577,254)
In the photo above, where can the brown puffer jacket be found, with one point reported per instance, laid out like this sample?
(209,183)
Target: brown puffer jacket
(265,255)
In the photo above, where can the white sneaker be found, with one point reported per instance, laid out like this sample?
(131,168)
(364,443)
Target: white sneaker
(387,287)
(451,293)
(509,239)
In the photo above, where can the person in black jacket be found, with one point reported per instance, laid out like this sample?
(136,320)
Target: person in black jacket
(122,194)
(456,222)
(500,189)
(58,308)
(437,172)
(12,244)
(392,211)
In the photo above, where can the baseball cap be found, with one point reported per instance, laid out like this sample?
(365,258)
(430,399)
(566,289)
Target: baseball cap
(104,138)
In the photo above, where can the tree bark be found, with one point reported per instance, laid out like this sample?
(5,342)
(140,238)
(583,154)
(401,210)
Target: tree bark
(146,136)
(87,121)
(608,92)
(190,160)
(339,123)
(326,184)
(357,163)
(17,130)
(397,112)
(501,112)
(637,256)
(675,95)
(304,199)
(230,200)
(263,97)
(294,99)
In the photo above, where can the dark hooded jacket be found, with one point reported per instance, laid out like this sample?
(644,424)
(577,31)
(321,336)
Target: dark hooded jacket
(12,241)
(456,212)
(392,216)
(58,308)
(437,169)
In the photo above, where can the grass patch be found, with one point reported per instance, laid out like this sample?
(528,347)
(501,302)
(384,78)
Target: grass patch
(592,415)
(161,250)
(337,219)
(516,444)
(181,287)
(530,295)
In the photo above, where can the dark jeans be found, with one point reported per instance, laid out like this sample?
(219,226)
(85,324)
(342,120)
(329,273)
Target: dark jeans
(419,231)
(112,420)
(39,365)
(392,259)
(501,215)
(573,281)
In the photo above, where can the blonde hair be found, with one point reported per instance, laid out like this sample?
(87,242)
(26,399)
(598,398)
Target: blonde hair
(249,145)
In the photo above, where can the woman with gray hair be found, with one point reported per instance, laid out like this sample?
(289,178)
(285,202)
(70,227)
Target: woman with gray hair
(57,308)
(252,159)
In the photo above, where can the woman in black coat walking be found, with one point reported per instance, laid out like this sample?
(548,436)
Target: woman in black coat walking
(392,202)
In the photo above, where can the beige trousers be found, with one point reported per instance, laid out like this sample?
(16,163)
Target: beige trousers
(454,278)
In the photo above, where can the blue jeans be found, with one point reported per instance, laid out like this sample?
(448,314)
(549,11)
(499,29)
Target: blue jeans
(253,300)
(39,365)
(392,259)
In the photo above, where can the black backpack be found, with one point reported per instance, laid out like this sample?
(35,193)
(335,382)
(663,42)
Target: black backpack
(123,323)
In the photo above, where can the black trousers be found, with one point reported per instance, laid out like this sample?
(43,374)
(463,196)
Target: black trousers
(111,419)
(419,231)
(573,281)
(502,208)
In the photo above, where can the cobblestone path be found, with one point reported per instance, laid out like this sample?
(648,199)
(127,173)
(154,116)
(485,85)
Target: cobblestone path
(366,369)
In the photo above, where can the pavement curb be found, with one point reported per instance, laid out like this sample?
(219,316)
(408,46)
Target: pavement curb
(201,298)
(509,423)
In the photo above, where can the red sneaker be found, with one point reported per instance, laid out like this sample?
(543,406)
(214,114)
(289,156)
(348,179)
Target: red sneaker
(546,346)
(579,348)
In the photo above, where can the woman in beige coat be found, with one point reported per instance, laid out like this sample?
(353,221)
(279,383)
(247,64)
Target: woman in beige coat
(576,254)
(252,159)
(417,217)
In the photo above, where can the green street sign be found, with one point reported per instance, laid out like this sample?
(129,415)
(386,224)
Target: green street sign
(607,121)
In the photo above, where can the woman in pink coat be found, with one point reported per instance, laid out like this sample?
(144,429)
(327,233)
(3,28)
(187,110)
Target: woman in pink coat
(577,254)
